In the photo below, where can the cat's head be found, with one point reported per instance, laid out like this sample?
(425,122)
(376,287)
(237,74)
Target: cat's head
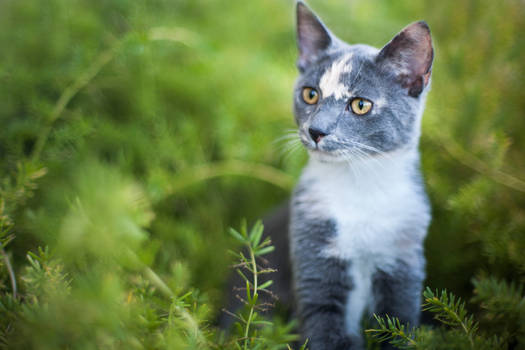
(356,100)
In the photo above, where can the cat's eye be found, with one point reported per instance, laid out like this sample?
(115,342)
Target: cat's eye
(360,106)
(310,95)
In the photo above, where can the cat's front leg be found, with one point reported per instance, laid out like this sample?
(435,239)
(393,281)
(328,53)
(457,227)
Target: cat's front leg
(322,288)
(397,292)
(322,296)
(322,285)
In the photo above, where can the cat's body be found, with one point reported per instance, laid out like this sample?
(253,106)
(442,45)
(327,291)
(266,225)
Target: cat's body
(357,246)
(359,213)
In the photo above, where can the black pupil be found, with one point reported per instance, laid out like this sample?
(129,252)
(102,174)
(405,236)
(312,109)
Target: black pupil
(312,94)
(361,104)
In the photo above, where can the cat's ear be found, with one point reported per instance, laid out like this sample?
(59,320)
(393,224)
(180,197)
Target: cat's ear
(409,56)
(313,38)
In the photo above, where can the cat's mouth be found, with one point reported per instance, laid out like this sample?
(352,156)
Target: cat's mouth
(324,150)
(330,151)
(324,145)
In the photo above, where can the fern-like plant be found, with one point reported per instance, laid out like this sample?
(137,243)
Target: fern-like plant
(250,326)
(450,310)
(392,330)
(457,330)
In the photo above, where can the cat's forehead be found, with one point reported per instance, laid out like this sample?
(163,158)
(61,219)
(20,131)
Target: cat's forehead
(336,71)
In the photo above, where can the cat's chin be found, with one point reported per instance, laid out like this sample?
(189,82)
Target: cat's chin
(326,157)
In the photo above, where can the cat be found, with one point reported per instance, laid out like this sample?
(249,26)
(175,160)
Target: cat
(359,213)
(350,241)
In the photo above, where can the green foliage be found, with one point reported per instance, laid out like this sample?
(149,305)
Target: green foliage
(134,133)
(457,329)
(252,330)
(393,331)
(502,306)
(450,310)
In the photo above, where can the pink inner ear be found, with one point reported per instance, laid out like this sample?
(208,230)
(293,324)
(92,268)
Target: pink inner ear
(409,55)
(421,44)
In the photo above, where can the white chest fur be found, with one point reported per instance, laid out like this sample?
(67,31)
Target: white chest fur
(375,205)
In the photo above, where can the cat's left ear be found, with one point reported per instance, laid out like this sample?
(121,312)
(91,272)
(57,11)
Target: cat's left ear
(313,38)
(409,56)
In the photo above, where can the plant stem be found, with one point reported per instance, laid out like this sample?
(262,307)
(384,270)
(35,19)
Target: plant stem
(470,160)
(205,172)
(454,316)
(158,282)
(10,270)
(465,328)
(248,322)
(71,91)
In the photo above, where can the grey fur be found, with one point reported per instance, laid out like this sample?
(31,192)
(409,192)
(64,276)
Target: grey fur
(321,283)
(396,80)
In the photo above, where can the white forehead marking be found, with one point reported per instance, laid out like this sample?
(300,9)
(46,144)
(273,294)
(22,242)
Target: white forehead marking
(330,84)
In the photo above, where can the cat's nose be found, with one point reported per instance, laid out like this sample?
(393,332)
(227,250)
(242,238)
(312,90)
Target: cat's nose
(316,135)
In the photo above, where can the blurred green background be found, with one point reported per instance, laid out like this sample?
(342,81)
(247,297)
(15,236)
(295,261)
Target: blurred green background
(134,133)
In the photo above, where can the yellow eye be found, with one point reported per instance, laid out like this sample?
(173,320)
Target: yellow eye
(310,95)
(360,106)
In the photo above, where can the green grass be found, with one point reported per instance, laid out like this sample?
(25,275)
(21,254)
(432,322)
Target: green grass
(133,134)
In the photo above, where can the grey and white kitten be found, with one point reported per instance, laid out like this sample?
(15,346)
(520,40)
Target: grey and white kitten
(359,214)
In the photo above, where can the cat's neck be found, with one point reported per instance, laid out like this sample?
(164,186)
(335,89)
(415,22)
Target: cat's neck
(381,172)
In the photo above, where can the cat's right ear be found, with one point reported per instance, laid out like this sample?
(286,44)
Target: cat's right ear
(409,56)
(313,38)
